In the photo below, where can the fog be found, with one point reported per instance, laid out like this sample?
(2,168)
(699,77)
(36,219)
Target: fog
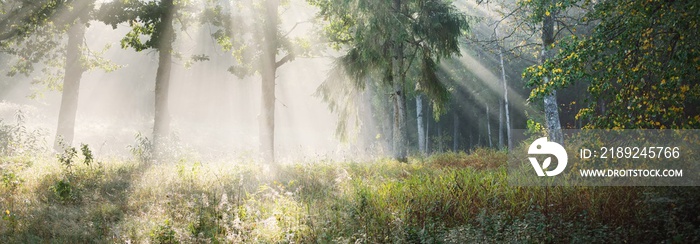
(214,113)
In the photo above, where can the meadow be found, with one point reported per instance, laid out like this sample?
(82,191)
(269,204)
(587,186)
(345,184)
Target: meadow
(73,197)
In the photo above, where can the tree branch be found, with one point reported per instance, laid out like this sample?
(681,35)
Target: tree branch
(284,60)
(294,27)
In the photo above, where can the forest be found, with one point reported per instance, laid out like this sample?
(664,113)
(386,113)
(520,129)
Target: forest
(347,121)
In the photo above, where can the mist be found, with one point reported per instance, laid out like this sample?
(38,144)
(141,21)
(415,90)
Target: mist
(213,112)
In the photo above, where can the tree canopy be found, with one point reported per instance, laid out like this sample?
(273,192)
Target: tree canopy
(640,65)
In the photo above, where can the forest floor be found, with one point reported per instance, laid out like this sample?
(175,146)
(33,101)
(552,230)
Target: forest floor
(444,198)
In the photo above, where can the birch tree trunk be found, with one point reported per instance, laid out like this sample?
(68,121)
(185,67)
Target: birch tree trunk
(488,126)
(73,72)
(505,105)
(551,110)
(419,119)
(440,141)
(500,123)
(455,132)
(427,131)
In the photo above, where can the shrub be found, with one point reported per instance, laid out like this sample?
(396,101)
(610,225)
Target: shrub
(163,233)
(17,139)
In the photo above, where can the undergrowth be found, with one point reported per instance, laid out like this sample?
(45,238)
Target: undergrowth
(445,198)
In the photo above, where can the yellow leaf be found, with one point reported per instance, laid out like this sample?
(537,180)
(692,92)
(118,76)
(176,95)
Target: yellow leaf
(547,13)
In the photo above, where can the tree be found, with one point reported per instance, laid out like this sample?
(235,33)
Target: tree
(419,122)
(399,43)
(551,108)
(259,19)
(268,72)
(640,65)
(154,20)
(22,18)
(71,81)
(36,31)
(503,104)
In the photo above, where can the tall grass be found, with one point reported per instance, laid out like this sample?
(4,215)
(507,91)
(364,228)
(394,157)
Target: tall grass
(445,198)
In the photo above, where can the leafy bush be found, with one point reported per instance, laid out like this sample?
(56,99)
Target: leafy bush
(167,149)
(63,189)
(163,234)
(143,149)
(17,139)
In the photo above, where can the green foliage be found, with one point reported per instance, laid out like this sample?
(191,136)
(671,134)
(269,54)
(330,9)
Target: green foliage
(238,29)
(144,18)
(428,30)
(67,157)
(23,18)
(10,180)
(33,34)
(368,31)
(640,65)
(87,154)
(63,191)
(16,139)
(143,150)
(163,233)
(535,128)
(146,21)
(538,10)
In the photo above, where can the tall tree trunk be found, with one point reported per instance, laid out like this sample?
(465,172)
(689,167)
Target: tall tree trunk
(500,123)
(419,119)
(386,118)
(161,127)
(488,125)
(399,96)
(478,128)
(269,69)
(471,139)
(504,102)
(440,140)
(427,130)
(455,131)
(399,130)
(551,110)
(73,71)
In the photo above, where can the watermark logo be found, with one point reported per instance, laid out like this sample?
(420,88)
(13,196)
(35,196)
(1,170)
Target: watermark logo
(542,146)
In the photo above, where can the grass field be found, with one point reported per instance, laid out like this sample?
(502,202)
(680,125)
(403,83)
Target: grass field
(445,198)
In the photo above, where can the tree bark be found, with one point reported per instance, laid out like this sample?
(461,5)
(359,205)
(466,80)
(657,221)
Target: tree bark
(419,119)
(73,72)
(427,130)
(500,123)
(505,98)
(400,152)
(551,110)
(440,138)
(488,125)
(269,70)
(455,131)
(161,127)
(399,96)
